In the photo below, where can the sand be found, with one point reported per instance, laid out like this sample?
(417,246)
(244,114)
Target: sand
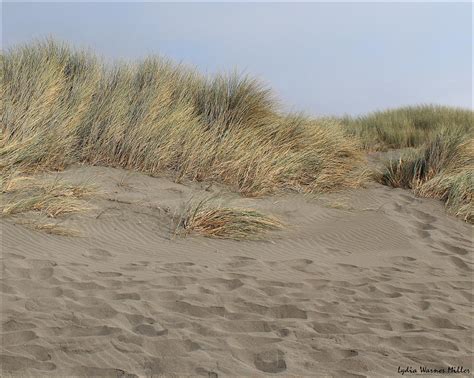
(358,284)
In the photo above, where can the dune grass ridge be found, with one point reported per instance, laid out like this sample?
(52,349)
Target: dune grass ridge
(63,106)
(410,126)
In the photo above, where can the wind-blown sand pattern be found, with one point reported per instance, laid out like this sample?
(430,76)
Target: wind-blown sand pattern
(353,291)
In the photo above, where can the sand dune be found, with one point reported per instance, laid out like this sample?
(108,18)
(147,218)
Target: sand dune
(358,284)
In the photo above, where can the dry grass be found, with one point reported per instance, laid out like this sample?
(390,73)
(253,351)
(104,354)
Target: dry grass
(63,106)
(53,229)
(216,221)
(410,126)
(51,198)
(438,162)
(441,169)
(339,204)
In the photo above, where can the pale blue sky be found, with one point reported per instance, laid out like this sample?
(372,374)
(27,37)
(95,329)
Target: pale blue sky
(320,58)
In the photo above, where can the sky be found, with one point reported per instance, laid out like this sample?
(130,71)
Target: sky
(319,58)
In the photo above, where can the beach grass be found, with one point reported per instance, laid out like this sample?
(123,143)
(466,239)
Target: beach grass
(210,219)
(53,229)
(63,106)
(22,194)
(436,144)
(410,126)
(442,168)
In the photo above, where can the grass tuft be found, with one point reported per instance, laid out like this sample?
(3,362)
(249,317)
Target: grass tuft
(52,198)
(54,229)
(216,221)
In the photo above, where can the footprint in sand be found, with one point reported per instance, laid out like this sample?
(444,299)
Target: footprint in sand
(460,239)
(78,331)
(223,284)
(108,274)
(14,325)
(287,312)
(408,199)
(125,296)
(19,337)
(404,259)
(37,270)
(439,322)
(298,264)
(97,254)
(349,353)
(13,256)
(240,261)
(460,263)
(16,363)
(206,373)
(423,234)
(38,352)
(177,281)
(136,266)
(425,226)
(136,319)
(284,332)
(424,217)
(86,371)
(150,330)
(454,249)
(270,361)
(178,267)
(398,208)
(244,326)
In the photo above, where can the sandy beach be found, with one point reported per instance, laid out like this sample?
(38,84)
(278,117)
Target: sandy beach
(236,189)
(356,291)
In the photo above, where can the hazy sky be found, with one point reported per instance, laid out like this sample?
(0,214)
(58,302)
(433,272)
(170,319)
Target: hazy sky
(321,58)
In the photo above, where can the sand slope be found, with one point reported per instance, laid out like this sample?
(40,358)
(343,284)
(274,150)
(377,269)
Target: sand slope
(342,292)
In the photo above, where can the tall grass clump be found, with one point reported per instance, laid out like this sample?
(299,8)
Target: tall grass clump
(437,151)
(46,90)
(442,169)
(62,106)
(216,221)
(410,126)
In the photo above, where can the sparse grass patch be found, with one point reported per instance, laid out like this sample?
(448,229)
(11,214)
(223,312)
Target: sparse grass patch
(339,205)
(221,222)
(52,198)
(53,229)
